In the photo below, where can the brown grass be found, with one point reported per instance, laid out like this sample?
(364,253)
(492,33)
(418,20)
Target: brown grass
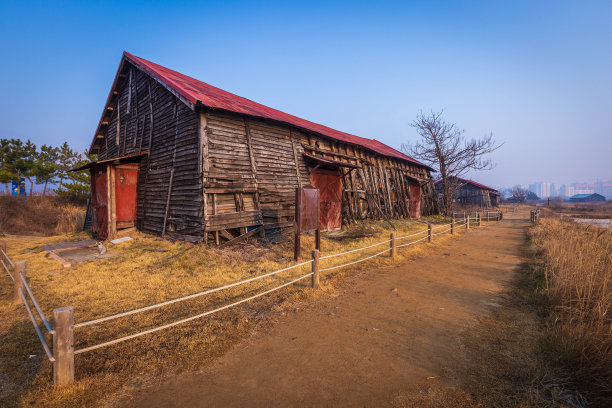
(138,277)
(38,215)
(577,286)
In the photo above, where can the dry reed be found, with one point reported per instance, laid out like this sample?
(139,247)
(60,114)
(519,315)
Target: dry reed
(577,285)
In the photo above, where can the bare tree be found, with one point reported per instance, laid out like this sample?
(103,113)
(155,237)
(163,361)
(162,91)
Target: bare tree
(443,146)
(519,194)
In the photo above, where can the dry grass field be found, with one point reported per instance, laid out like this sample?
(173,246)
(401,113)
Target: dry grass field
(49,215)
(139,277)
(576,291)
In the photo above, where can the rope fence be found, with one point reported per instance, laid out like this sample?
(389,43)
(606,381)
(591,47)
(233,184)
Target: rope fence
(6,257)
(63,352)
(188,319)
(169,302)
(38,332)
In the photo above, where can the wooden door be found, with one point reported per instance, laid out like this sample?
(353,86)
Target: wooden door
(126,180)
(329,184)
(414,207)
(99,203)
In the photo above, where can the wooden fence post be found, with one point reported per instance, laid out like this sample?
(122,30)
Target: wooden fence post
(63,346)
(429,233)
(393,246)
(20,270)
(315,268)
(453,224)
(467,223)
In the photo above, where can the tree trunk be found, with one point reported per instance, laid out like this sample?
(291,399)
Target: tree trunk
(45,187)
(31,186)
(7,189)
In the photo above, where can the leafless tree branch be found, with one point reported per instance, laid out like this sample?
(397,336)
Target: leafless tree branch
(443,146)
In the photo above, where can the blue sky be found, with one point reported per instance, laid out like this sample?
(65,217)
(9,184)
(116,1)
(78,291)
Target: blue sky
(537,74)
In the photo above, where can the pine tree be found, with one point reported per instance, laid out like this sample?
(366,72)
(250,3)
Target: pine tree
(45,167)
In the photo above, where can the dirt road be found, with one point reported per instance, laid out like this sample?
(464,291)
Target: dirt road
(387,331)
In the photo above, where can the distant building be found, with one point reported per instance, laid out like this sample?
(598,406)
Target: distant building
(469,192)
(587,198)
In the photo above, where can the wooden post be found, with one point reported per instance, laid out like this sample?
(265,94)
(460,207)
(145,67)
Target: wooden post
(20,269)
(393,246)
(315,268)
(467,223)
(63,346)
(429,233)
(452,231)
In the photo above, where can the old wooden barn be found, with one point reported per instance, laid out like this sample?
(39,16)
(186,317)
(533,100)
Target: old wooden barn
(183,159)
(470,193)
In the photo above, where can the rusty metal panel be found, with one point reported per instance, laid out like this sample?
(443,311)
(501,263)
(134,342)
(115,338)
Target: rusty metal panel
(126,180)
(329,184)
(99,204)
(414,207)
(308,209)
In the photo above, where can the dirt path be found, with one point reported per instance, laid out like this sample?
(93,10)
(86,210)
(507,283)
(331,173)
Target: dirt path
(367,345)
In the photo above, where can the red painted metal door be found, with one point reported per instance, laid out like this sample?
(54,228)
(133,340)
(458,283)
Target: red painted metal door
(414,207)
(99,203)
(126,181)
(329,184)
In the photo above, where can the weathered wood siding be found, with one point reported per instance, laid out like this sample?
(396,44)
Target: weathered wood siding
(148,118)
(252,167)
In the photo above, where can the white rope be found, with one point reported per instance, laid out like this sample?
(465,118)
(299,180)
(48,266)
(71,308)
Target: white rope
(411,235)
(169,302)
(7,258)
(40,313)
(355,250)
(7,269)
(40,336)
(354,262)
(441,232)
(440,226)
(119,340)
(411,243)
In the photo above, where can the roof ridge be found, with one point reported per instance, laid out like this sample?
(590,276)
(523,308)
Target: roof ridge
(196,92)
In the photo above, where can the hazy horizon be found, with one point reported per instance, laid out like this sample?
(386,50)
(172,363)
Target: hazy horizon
(537,75)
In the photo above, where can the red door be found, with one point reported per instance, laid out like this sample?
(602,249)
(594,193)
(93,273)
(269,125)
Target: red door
(414,207)
(329,184)
(99,203)
(126,181)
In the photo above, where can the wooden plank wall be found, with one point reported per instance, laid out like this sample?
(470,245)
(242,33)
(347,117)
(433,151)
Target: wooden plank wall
(258,158)
(148,118)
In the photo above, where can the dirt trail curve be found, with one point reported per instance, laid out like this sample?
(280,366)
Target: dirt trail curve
(368,344)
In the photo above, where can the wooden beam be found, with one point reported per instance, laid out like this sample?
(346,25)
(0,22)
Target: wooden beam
(168,202)
(295,157)
(242,237)
(58,258)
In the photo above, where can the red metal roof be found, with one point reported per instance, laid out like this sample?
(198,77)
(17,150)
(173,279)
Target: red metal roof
(200,93)
(470,182)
